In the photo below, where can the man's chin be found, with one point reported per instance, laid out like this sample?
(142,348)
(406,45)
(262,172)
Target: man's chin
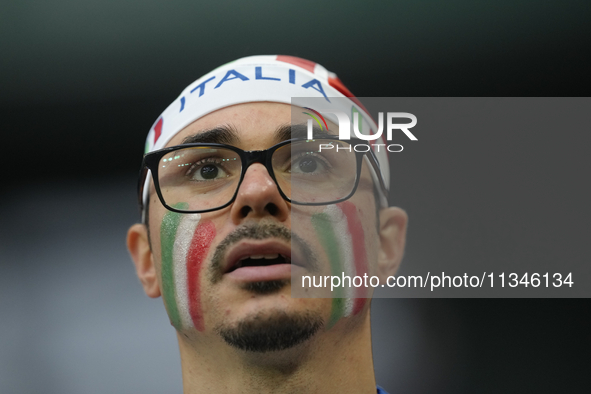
(271,331)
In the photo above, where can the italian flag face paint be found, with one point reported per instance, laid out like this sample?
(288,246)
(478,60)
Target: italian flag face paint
(340,232)
(185,241)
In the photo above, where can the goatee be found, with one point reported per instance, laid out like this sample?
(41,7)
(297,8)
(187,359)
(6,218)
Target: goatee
(267,333)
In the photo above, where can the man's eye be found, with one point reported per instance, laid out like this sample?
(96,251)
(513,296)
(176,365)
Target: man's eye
(209,171)
(206,170)
(308,164)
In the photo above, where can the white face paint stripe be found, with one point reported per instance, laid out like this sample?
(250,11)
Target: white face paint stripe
(341,230)
(182,243)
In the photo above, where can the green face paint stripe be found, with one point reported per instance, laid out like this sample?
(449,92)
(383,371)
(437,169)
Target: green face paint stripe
(168,229)
(338,308)
(346,265)
(326,235)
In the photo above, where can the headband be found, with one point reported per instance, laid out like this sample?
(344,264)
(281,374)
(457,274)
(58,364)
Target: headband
(275,78)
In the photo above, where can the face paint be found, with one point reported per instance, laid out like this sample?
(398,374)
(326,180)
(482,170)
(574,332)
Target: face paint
(168,230)
(341,234)
(323,225)
(202,238)
(184,244)
(182,277)
(359,253)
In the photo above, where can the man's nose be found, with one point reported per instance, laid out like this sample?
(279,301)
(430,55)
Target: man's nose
(258,197)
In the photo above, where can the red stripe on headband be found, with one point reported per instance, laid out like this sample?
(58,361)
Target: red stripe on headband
(297,61)
(338,85)
(157,130)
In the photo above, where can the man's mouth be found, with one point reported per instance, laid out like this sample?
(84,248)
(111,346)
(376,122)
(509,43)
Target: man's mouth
(252,260)
(261,252)
(261,260)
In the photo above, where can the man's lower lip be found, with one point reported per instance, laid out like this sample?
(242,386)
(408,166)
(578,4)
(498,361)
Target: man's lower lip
(261,273)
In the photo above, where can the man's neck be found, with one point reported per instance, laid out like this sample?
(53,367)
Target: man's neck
(338,360)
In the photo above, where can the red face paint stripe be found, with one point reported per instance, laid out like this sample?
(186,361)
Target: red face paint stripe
(359,253)
(202,238)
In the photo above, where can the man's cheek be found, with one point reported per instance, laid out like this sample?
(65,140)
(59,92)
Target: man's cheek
(185,242)
(341,234)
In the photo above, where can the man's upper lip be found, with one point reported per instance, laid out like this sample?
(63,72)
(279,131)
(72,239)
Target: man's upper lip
(246,248)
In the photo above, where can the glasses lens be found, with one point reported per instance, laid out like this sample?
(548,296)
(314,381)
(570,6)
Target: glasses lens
(199,178)
(316,171)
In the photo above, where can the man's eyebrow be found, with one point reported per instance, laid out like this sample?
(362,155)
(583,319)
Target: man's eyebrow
(284,132)
(218,135)
(287,131)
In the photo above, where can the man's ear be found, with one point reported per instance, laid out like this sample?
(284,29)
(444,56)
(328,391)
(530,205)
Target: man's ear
(393,222)
(141,254)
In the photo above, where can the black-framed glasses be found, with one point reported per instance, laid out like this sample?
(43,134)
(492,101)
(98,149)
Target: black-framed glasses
(204,177)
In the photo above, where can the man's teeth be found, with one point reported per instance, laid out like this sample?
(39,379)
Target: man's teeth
(262,256)
(271,256)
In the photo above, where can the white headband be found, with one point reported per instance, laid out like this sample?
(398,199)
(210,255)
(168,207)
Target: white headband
(274,78)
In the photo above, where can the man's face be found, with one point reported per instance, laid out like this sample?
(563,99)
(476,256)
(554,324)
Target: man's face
(196,255)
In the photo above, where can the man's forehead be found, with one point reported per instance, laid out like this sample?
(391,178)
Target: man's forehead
(240,123)
(245,124)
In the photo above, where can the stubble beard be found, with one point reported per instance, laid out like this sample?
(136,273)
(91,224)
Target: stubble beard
(266,331)
(271,331)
